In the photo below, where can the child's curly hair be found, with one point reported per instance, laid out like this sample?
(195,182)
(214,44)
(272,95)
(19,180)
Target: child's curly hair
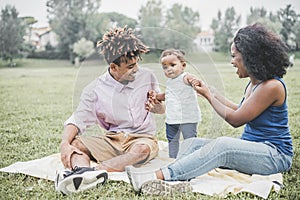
(120,45)
(176,52)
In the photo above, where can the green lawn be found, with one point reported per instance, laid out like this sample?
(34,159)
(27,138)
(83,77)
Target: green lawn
(38,96)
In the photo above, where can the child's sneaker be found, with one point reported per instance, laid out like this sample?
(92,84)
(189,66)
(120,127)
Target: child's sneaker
(165,188)
(81,178)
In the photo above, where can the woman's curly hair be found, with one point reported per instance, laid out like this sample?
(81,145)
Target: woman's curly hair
(120,45)
(264,54)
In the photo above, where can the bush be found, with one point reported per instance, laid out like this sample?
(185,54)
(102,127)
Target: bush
(297,54)
(27,49)
(47,55)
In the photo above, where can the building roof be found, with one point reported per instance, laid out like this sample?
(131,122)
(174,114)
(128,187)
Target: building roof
(206,33)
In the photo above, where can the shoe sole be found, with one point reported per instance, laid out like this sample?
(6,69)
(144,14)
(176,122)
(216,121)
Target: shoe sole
(128,171)
(80,182)
(163,188)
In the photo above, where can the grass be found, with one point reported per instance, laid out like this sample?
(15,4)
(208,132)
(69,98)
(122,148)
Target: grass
(37,96)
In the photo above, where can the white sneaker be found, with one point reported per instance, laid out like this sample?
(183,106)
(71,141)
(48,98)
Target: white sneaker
(81,178)
(137,177)
(165,188)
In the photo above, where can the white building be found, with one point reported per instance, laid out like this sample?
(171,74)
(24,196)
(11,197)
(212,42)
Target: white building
(205,41)
(40,37)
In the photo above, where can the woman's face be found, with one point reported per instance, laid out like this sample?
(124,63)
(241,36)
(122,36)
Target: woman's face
(237,61)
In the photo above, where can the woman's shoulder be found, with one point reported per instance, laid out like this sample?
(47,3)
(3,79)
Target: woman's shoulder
(273,84)
(274,88)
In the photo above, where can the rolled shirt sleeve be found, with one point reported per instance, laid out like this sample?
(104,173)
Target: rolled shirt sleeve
(85,114)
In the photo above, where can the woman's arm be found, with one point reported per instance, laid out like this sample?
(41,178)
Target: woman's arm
(207,91)
(222,98)
(267,94)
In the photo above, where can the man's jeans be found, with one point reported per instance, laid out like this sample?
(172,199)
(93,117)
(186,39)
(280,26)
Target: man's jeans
(198,156)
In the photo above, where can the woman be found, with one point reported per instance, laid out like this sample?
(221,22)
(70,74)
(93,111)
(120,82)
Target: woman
(265,146)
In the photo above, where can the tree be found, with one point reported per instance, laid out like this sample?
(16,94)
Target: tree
(184,21)
(255,14)
(288,18)
(297,33)
(29,21)
(151,23)
(260,15)
(12,32)
(120,19)
(175,30)
(225,28)
(72,20)
(83,49)
(103,21)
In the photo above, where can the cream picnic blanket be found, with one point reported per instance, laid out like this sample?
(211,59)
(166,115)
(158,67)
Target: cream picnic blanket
(216,182)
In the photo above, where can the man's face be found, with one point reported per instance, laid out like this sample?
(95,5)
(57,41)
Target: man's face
(126,71)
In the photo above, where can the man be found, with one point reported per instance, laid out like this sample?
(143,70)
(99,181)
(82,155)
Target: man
(116,101)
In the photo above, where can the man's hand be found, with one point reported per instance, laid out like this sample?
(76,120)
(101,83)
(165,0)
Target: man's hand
(152,96)
(154,103)
(66,151)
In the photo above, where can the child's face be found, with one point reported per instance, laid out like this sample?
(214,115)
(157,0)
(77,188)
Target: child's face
(172,66)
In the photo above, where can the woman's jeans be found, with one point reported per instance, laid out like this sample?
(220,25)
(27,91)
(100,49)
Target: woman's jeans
(198,156)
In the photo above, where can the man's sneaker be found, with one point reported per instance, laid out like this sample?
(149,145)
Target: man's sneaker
(81,178)
(165,188)
(137,177)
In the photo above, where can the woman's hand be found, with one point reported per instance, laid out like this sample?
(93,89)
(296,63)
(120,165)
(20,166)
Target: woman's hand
(188,78)
(201,88)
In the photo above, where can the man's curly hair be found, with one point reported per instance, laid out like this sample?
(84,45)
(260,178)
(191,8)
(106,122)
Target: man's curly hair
(264,54)
(120,45)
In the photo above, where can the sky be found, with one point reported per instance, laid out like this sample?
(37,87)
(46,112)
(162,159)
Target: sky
(207,9)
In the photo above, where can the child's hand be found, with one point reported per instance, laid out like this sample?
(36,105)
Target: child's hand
(190,79)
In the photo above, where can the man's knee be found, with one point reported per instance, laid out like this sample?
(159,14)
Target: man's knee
(76,143)
(79,145)
(142,150)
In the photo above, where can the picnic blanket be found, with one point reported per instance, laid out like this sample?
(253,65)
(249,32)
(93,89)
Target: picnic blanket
(218,182)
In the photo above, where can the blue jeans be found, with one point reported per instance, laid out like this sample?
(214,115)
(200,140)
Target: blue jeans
(173,135)
(198,156)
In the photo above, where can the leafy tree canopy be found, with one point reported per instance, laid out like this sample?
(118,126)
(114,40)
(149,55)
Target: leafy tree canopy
(72,20)
(224,28)
(12,31)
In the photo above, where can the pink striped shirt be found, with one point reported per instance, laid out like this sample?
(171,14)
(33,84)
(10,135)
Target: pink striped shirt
(116,107)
